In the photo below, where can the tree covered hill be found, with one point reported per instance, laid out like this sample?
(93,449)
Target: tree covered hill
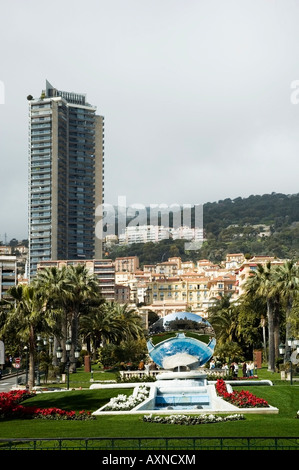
(256,225)
(276,210)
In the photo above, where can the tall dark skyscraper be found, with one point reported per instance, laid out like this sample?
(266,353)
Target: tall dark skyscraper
(66,177)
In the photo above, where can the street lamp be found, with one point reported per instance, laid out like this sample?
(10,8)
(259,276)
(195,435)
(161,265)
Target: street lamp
(39,348)
(68,347)
(26,376)
(291,352)
(51,341)
(59,353)
(282,349)
(77,352)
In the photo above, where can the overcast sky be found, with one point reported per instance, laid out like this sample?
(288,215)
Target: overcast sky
(196,95)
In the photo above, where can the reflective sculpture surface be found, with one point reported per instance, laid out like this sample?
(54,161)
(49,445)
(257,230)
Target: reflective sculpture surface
(181,339)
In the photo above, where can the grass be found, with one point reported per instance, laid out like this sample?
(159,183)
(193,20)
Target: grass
(283,396)
(83,379)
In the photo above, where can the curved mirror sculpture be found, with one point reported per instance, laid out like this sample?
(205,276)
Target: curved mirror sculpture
(181,339)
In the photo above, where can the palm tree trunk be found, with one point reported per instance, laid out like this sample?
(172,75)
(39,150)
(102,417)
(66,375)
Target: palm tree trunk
(271,342)
(31,375)
(288,327)
(276,326)
(263,325)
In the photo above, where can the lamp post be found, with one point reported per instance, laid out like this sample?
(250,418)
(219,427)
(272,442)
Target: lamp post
(68,347)
(39,348)
(77,352)
(290,353)
(59,353)
(51,340)
(26,369)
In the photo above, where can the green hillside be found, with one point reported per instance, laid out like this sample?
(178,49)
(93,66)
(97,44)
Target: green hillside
(256,225)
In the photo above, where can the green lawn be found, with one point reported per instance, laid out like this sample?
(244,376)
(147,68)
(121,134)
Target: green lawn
(283,396)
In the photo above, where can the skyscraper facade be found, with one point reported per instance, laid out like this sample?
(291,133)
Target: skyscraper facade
(66,177)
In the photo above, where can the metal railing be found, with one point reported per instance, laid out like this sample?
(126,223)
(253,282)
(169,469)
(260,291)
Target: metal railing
(152,443)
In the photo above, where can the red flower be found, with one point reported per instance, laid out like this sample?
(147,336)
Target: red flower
(242,399)
(10,408)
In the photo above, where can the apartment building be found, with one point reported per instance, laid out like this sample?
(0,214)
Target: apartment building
(122,294)
(8,274)
(66,174)
(103,270)
(249,266)
(127,264)
(234,260)
(156,233)
(192,291)
(143,234)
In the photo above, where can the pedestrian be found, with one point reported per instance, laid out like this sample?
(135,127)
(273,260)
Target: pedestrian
(225,368)
(244,369)
(236,369)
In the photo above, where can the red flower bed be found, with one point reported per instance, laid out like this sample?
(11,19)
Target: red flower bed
(242,399)
(10,408)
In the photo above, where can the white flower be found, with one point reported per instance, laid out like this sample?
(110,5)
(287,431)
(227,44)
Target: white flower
(183,419)
(124,403)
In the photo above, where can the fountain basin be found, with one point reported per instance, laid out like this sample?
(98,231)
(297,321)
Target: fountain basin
(183,391)
(200,397)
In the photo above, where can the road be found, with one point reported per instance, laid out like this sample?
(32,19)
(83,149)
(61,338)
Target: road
(9,381)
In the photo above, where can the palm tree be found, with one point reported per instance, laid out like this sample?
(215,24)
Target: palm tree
(288,286)
(251,321)
(51,280)
(100,325)
(262,283)
(129,319)
(223,317)
(28,316)
(81,289)
(73,291)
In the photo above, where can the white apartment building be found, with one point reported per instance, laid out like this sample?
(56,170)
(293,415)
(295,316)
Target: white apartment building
(156,233)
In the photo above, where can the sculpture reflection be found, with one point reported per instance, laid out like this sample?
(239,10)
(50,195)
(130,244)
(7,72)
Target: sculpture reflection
(181,341)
